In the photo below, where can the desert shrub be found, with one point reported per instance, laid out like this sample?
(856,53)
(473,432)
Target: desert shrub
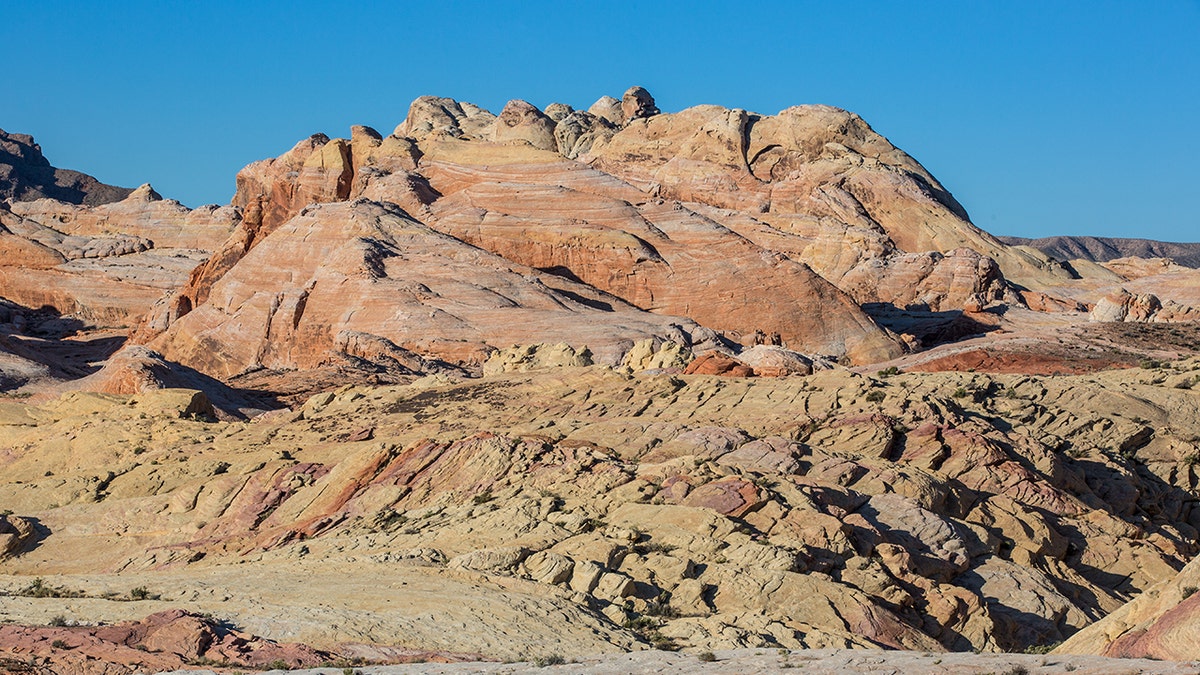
(549,660)
(141,593)
(888,372)
(875,396)
(39,589)
(1042,649)
(661,607)
(653,547)
(593,524)
(707,657)
(58,621)
(662,642)
(959,393)
(59,644)
(640,624)
(1187,591)
(482,497)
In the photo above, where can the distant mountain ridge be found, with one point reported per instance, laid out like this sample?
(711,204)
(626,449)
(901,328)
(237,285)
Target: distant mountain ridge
(26,175)
(1103,249)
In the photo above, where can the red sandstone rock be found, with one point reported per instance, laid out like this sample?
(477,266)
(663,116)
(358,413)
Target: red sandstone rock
(167,640)
(715,363)
(729,497)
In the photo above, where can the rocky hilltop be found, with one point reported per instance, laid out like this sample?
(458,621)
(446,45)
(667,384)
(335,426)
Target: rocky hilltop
(26,175)
(463,232)
(1104,249)
(572,381)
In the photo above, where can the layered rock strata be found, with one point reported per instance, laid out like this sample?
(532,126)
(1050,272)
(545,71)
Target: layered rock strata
(918,511)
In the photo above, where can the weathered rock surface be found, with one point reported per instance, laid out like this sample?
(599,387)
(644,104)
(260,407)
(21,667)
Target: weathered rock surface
(799,512)
(598,490)
(1122,305)
(501,184)
(1162,623)
(163,641)
(104,264)
(461,174)
(364,279)
(813,180)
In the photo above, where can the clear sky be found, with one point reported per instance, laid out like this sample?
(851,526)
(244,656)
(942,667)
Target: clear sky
(1061,117)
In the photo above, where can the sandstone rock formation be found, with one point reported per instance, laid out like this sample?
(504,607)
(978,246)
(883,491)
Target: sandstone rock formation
(779,215)
(1122,305)
(163,641)
(829,510)
(363,279)
(105,264)
(1161,623)
(507,183)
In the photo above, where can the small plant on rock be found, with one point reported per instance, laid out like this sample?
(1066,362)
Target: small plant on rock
(592,524)
(662,642)
(707,657)
(1042,649)
(549,660)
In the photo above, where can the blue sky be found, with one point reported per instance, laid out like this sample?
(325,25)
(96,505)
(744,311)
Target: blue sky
(1041,117)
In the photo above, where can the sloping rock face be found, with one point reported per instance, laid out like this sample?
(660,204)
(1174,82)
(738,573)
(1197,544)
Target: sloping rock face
(1162,623)
(25,175)
(99,253)
(578,510)
(781,225)
(822,175)
(104,264)
(363,279)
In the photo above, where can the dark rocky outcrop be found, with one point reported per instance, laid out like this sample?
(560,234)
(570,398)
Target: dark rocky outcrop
(26,175)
